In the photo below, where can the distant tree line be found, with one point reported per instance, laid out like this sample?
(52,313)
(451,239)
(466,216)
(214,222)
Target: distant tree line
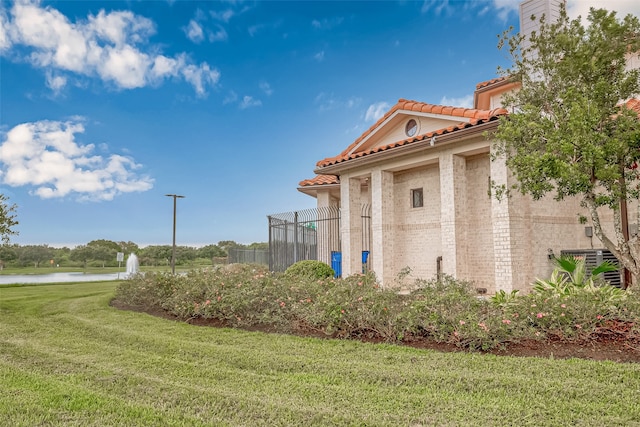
(103,253)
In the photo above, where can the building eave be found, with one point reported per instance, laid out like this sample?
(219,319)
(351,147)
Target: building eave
(440,140)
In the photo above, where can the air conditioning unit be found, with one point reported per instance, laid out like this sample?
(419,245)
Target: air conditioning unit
(595,257)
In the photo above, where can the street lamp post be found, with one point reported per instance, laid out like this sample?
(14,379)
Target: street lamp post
(173,251)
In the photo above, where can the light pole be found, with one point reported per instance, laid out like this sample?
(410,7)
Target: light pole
(173,251)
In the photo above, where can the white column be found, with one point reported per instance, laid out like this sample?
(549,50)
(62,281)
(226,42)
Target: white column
(452,212)
(382,225)
(351,224)
(324,227)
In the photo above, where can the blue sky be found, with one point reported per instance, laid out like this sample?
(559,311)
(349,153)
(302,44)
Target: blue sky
(107,106)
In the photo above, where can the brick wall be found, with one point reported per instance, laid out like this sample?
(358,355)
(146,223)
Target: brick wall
(417,241)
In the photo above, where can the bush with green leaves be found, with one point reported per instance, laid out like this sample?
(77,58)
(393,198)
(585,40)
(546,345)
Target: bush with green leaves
(570,275)
(445,310)
(310,269)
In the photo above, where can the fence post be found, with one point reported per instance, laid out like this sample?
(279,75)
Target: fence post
(295,237)
(270,262)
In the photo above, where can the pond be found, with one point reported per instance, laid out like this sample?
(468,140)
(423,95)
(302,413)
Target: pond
(59,278)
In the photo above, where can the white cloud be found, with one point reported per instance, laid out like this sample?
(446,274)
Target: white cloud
(56,82)
(219,35)
(327,24)
(266,88)
(194,32)
(126,67)
(249,101)
(200,77)
(107,45)
(163,66)
(505,8)
(254,29)
(223,16)
(230,98)
(581,8)
(120,27)
(5,41)
(437,5)
(375,111)
(45,155)
(319,56)
(327,102)
(464,101)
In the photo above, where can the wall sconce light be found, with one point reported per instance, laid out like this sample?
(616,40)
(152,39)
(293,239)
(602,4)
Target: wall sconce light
(588,231)
(550,254)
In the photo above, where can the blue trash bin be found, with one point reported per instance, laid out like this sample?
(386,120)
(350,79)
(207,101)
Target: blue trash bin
(336,263)
(365,257)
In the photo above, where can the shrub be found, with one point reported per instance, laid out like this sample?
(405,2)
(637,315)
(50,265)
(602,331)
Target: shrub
(310,269)
(445,310)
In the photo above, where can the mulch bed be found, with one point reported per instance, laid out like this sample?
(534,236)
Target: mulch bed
(611,343)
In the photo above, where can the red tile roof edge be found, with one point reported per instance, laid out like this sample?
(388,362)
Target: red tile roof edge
(319,180)
(422,107)
(484,116)
(491,82)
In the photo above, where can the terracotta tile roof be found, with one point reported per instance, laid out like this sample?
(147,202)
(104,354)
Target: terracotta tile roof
(490,82)
(319,180)
(475,116)
(634,104)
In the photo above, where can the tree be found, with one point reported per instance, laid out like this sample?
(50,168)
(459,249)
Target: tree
(211,251)
(259,245)
(155,255)
(128,247)
(82,253)
(108,244)
(7,219)
(35,254)
(103,250)
(225,245)
(7,254)
(572,131)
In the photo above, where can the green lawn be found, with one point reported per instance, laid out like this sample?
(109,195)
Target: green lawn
(67,358)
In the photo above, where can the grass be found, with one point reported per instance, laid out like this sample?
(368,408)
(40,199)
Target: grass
(68,358)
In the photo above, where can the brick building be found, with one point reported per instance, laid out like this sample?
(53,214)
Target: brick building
(425,171)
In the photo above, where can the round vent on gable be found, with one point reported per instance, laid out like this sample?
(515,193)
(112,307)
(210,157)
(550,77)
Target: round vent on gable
(411,129)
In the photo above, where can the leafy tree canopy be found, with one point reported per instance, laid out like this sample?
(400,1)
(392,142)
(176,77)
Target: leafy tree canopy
(571,131)
(7,219)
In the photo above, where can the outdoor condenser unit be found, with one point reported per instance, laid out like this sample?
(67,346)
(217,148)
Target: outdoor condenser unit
(593,258)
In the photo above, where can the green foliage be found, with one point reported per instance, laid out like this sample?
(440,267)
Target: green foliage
(446,310)
(504,299)
(567,133)
(34,254)
(570,276)
(310,269)
(7,219)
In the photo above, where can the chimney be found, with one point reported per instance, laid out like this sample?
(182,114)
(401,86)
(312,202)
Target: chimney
(549,8)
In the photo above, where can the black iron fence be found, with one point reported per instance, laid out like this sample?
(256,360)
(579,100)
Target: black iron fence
(248,256)
(310,234)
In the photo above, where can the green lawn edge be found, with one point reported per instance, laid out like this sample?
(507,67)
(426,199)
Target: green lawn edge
(68,358)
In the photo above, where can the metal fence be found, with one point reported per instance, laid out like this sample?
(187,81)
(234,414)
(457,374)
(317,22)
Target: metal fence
(248,256)
(310,234)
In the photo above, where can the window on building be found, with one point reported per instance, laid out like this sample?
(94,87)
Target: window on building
(411,128)
(417,199)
